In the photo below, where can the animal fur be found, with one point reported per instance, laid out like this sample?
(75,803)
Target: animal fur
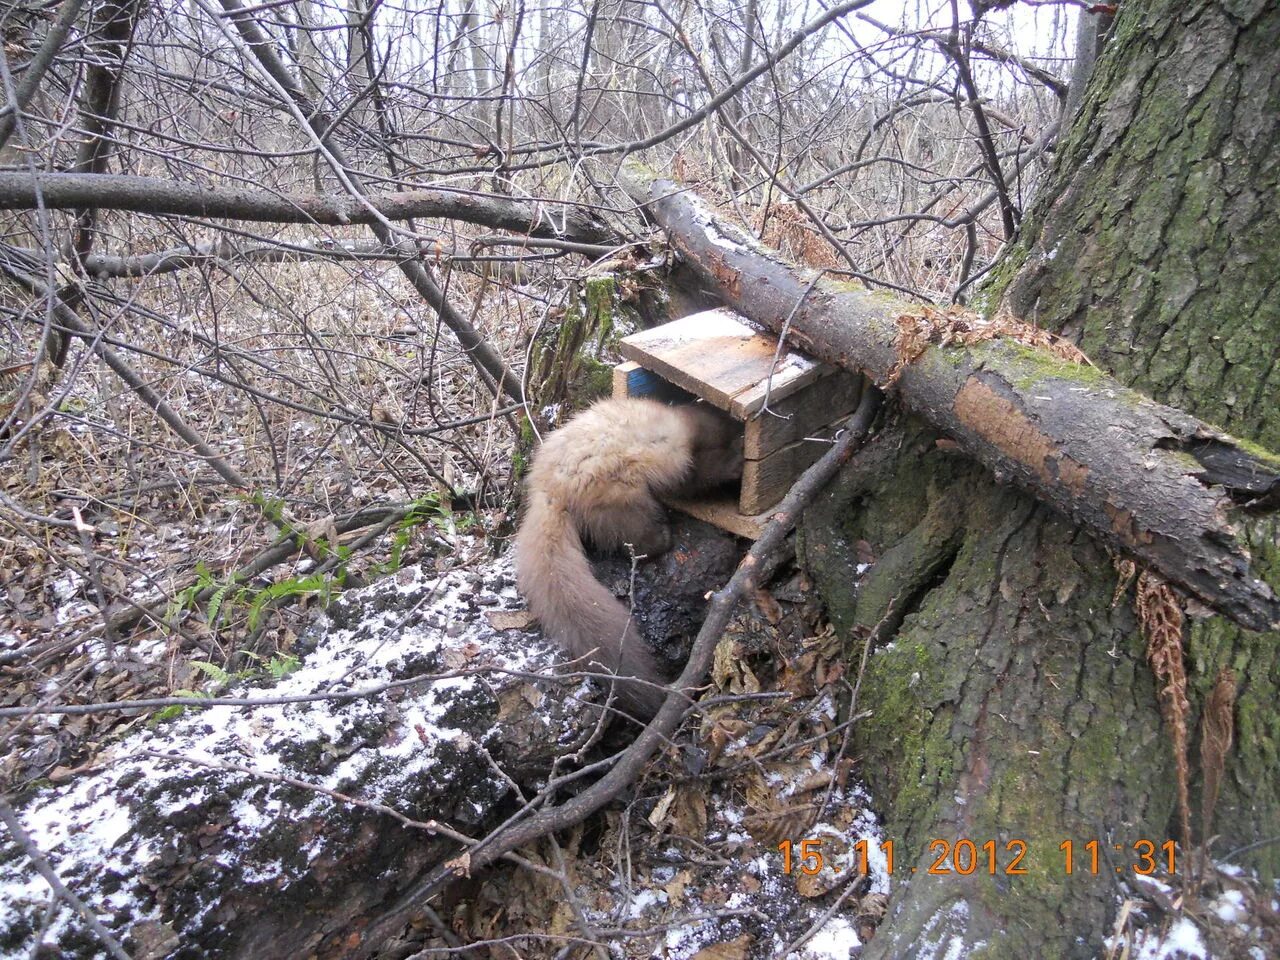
(598,478)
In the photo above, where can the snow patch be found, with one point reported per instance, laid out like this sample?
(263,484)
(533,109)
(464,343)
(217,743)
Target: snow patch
(92,830)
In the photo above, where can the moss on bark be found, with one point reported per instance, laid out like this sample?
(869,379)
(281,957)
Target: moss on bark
(1011,699)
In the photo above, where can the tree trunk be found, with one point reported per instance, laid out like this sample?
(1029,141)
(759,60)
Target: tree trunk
(312,72)
(359,76)
(1015,701)
(1164,199)
(1012,699)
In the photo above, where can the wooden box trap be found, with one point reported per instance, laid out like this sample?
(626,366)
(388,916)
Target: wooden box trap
(714,355)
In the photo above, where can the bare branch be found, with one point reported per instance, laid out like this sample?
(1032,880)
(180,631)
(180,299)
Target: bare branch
(61,191)
(24,843)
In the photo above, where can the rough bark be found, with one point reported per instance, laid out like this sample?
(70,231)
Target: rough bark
(1014,700)
(1141,476)
(1091,34)
(1012,703)
(1157,247)
(1011,698)
(1155,244)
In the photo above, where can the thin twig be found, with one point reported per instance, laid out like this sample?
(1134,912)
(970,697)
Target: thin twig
(38,860)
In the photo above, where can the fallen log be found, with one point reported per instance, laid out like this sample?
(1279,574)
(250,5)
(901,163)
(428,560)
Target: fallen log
(278,829)
(1148,479)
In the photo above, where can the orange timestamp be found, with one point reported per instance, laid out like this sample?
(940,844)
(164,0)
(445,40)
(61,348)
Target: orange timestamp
(964,857)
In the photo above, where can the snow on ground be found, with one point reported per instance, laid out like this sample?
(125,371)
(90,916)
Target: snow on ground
(1227,922)
(95,832)
(1181,942)
(732,893)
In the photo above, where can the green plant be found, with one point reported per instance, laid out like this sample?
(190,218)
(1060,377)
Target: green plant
(187,598)
(278,667)
(431,508)
(317,584)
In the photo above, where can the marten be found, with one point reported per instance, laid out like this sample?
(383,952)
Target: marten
(598,478)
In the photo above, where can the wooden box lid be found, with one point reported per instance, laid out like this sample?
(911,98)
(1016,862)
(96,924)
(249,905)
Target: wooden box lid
(716,355)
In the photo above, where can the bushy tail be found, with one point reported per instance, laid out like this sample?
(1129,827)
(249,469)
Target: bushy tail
(578,612)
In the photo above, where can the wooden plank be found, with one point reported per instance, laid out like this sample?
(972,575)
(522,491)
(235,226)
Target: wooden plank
(717,356)
(765,482)
(793,372)
(802,414)
(723,513)
(625,374)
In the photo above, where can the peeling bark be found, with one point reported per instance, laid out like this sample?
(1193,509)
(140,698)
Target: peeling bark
(1155,242)
(1156,247)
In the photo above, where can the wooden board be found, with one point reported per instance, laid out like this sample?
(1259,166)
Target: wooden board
(802,414)
(632,380)
(717,356)
(765,482)
(723,513)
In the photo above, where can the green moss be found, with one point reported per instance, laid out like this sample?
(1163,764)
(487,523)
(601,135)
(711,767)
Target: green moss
(1263,536)
(987,297)
(640,171)
(599,293)
(913,753)
(1036,365)
(1016,798)
(1259,452)
(571,362)
(837,285)
(571,328)
(596,378)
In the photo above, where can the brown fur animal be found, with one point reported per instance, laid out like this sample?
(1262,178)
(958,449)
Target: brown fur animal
(597,478)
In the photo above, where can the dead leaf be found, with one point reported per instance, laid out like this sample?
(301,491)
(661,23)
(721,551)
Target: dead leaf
(735,949)
(682,810)
(675,887)
(769,608)
(509,619)
(659,815)
(514,701)
(461,866)
(836,865)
